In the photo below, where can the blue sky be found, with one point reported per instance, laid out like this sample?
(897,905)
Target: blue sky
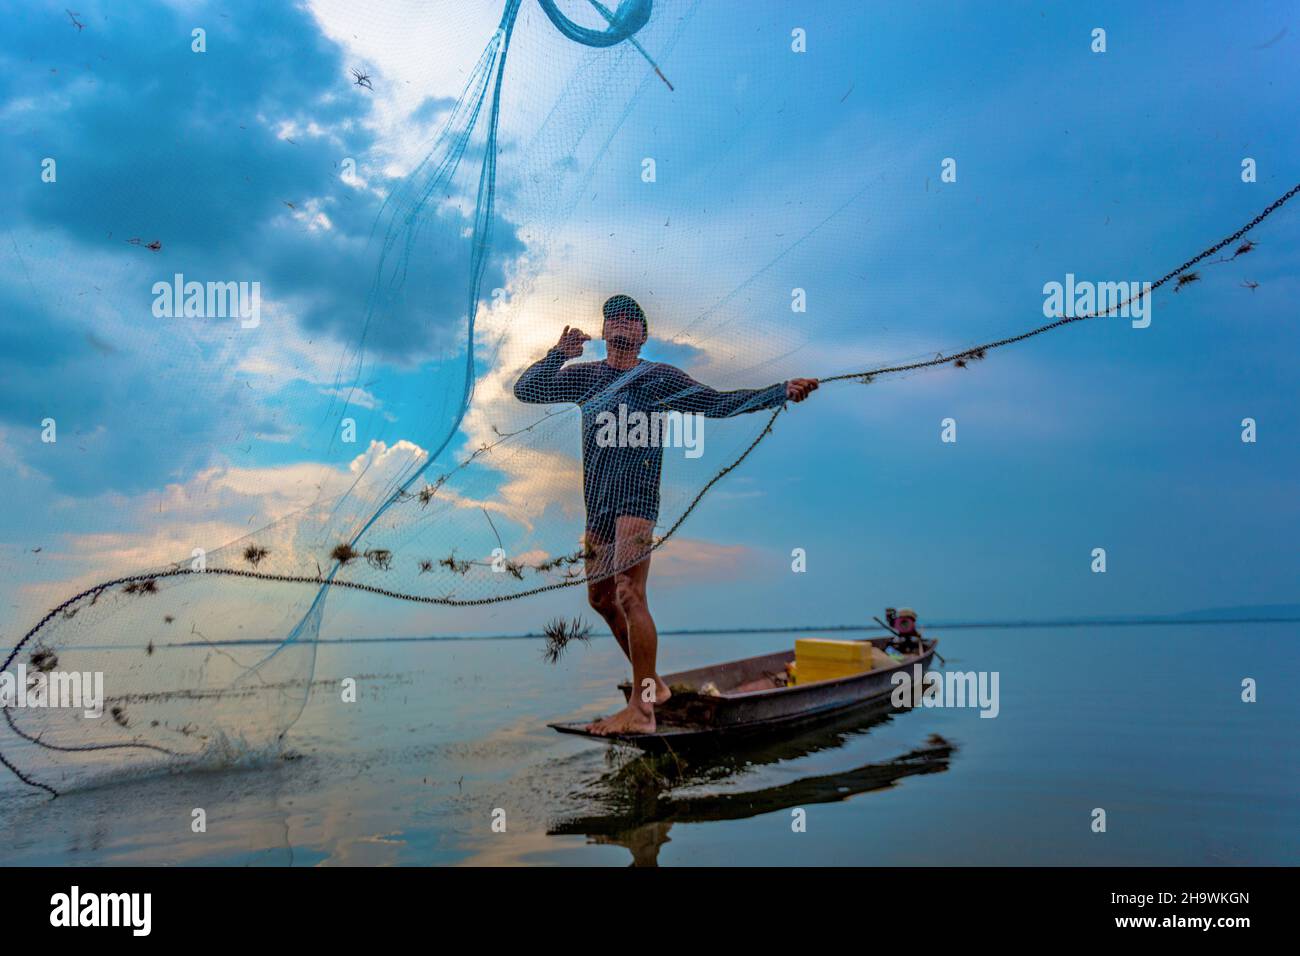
(1112,166)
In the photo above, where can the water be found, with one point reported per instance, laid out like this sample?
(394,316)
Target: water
(1144,722)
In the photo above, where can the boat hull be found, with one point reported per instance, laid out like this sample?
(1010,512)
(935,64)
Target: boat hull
(690,718)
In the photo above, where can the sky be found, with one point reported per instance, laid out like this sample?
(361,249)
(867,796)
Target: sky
(262,159)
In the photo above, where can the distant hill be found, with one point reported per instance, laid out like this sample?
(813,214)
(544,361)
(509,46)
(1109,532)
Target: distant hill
(1243,611)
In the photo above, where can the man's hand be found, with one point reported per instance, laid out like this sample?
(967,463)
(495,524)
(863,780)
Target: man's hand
(797,389)
(571,341)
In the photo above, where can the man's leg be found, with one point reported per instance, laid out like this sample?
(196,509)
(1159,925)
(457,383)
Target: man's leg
(632,540)
(602,590)
(602,595)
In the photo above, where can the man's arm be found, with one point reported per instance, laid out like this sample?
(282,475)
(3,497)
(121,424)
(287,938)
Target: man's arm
(545,381)
(684,394)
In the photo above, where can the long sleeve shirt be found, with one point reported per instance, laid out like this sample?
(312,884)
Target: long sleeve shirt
(616,474)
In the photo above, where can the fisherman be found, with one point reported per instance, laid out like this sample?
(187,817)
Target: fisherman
(620,480)
(907,639)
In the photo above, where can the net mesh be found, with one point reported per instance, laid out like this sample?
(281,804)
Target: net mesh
(479,453)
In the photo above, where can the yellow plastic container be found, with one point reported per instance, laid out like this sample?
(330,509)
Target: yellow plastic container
(818,658)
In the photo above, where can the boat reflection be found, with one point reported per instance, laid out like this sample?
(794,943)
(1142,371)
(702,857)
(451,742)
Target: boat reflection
(640,809)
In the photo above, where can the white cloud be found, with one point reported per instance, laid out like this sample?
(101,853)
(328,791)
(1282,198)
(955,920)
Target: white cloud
(356,396)
(218,506)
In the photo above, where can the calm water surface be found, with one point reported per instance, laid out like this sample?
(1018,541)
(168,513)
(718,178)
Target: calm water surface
(1146,723)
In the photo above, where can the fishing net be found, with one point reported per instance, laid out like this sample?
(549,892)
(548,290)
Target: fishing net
(434,434)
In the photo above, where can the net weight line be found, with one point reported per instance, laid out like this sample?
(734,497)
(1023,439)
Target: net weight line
(973,352)
(979,350)
(864,376)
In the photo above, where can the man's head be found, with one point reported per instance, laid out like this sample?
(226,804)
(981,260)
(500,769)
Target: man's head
(625,325)
(905,621)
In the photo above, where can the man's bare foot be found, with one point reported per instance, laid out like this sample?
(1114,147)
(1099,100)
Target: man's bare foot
(629,720)
(662,693)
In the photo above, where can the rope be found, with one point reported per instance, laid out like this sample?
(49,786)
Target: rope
(767,430)
(977,351)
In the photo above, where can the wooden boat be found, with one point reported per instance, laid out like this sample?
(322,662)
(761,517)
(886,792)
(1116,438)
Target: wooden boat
(751,699)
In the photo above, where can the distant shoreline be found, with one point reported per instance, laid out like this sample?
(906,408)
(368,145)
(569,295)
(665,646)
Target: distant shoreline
(806,629)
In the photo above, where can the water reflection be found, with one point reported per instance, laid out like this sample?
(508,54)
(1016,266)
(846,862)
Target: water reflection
(640,796)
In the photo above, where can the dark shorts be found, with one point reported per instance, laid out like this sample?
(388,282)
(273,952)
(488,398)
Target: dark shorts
(601,517)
